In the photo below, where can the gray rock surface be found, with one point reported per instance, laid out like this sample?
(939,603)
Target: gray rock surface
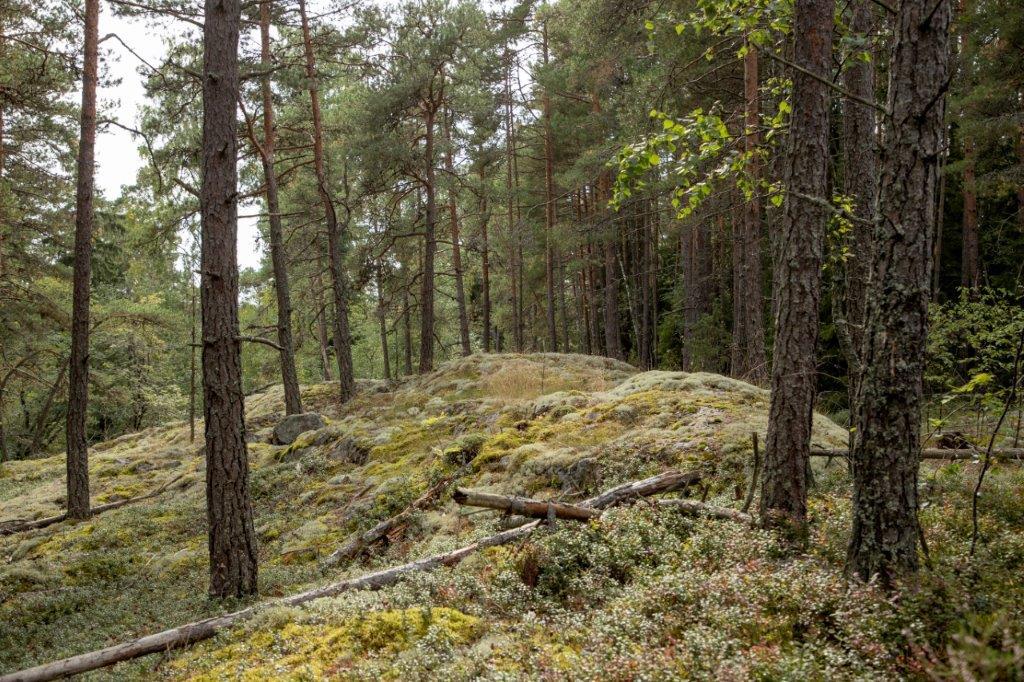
(289,428)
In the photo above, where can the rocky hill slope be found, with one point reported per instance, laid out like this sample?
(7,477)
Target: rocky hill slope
(644,593)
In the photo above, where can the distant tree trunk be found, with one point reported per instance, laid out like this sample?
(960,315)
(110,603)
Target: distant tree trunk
(192,359)
(232,539)
(971,269)
(382,322)
(1020,185)
(562,304)
(753,300)
(612,330)
(39,431)
(278,254)
(887,443)
(3,167)
(429,246)
(453,210)
(510,189)
(738,360)
(595,285)
(407,329)
(696,252)
(800,253)
(78,384)
(860,177)
(321,317)
(549,205)
(485,265)
(649,283)
(335,237)
(940,216)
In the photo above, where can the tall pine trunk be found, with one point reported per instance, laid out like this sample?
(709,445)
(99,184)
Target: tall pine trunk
(78,383)
(799,257)
(278,254)
(429,245)
(335,237)
(232,539)
(887,444)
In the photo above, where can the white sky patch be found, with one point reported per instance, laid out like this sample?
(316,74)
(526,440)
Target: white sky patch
(118,159)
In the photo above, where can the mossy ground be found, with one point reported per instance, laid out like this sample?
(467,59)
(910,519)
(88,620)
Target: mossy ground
(644,594)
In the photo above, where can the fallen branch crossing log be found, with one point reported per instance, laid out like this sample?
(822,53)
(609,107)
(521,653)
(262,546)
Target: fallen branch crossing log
(537,509)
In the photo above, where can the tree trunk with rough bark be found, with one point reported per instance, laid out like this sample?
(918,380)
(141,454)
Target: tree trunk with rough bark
(278,254)
(887,444)
(78,383)
(232,538)
(799,257)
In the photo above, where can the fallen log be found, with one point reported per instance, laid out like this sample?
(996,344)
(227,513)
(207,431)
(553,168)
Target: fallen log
(698,508)
(191,633)
(17,526)
(357,542)
(523,506)
(941,453)
(662,483)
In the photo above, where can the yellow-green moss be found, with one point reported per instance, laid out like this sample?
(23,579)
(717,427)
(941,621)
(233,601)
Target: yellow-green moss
(313,650)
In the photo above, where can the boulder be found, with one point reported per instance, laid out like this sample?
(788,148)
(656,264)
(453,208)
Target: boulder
(349,450)
(289,428)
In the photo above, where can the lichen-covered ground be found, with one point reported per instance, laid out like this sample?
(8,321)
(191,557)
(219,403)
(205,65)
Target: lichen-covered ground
(643,594)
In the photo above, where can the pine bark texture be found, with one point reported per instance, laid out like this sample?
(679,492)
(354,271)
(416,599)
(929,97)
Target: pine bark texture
(799,255)
(887,446)
(278,254)
(232,539)
(78,383)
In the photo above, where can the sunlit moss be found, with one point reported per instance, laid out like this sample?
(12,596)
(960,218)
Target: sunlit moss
(314,650)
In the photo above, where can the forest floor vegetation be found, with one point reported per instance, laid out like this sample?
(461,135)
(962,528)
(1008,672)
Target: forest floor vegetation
(642,593)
